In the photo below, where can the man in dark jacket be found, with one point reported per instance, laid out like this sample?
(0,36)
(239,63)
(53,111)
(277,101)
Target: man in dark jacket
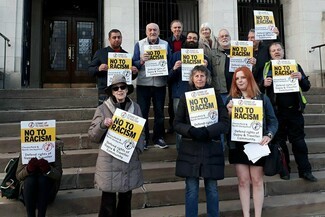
(98,66)
(175,43)
(261,53)
(177,86)
(289,108)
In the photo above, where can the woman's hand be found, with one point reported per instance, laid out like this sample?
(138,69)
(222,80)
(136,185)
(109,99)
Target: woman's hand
(252,60)
(177,65)
(296,75)
(229,106)
(265,140)
(106,123)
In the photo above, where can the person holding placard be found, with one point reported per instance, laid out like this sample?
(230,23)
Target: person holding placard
(151,56)
(98,66)
(113,175)
(289,107)
(201,153)
(40,182)
(261,53)
(244,87)
(178,86)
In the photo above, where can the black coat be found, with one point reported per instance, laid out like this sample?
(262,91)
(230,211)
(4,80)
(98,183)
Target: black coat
(200,158)
(101,57)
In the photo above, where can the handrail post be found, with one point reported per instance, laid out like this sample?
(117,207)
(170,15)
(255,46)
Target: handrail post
(7,43)
(320,60)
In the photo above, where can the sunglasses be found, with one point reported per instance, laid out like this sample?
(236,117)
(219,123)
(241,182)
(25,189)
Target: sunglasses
(122,87)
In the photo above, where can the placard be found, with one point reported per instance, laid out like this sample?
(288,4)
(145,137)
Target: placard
(264,25)
(202,107)
(281,74)
(247,120)
(240,52)
(38,140)
(122,136)
(157,63)
(119,63)
(190,58)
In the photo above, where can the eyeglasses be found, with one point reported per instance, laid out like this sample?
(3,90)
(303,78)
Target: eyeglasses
(122,87)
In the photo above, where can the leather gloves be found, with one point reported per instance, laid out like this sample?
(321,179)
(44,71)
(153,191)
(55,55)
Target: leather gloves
(44,165)
(201,134)
(32,165)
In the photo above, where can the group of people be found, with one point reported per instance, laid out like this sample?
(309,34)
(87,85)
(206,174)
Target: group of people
(200,150)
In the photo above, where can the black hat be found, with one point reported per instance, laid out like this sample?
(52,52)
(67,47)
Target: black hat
(116,80)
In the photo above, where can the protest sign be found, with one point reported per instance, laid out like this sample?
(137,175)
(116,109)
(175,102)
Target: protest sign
(157,63)
(190,58)
(119,63)
(247,120)
(38,140)
(123,135)
(240,52)
(202,107)
(281,74)
(264,25)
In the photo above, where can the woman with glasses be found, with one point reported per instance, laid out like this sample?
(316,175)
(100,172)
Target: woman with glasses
(113,175)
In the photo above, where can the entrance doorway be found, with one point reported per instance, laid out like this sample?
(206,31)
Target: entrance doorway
(69,40)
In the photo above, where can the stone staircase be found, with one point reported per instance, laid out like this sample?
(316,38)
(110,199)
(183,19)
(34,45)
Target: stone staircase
(163,192)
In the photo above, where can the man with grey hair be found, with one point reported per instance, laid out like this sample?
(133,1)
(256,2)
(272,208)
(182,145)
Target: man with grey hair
(151,88)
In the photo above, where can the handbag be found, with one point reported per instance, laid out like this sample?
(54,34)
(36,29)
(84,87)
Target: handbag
(275,162)
(10,185)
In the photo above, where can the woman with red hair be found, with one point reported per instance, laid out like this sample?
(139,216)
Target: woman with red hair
(244,87)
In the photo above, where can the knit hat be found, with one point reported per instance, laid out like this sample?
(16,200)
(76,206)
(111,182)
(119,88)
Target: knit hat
(116,80)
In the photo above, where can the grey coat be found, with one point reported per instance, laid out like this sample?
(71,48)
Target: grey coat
(113,175)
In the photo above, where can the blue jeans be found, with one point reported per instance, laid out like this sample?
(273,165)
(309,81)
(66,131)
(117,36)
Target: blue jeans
(144,96)
(192,197)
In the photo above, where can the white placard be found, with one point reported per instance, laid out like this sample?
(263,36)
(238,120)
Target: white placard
(240,52)
(157,63)
(122,136)
(190,58)
(119,63)
(281,74)
(38,140)
(202,107)
(264,25)
(247,120)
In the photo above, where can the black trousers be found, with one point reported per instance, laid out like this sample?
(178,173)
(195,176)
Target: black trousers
(108,207)
(38,191)
(291,126)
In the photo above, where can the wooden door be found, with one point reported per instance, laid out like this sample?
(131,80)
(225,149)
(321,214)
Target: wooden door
(68,45)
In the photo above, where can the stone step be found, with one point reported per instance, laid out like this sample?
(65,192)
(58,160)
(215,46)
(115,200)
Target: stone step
(314,126)
(63,114)
(71,142)
(315,109)
(85,201)
(72,114)
(81,175)
(48,98)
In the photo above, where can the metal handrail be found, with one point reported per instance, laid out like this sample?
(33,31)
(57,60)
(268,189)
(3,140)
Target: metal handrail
(320,58)
(7,43)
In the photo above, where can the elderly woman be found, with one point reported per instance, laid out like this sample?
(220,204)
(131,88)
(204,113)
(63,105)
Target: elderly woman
(113,175)
(200,152)
(244,87)
(207,40)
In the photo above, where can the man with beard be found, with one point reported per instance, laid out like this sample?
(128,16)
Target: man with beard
(178,86)
(98,66)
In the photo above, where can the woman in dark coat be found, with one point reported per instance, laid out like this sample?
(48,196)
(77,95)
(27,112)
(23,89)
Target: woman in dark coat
(200,153)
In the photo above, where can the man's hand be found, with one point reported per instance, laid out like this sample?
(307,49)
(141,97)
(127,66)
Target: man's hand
(102,67)
(268,82)
(177,65)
